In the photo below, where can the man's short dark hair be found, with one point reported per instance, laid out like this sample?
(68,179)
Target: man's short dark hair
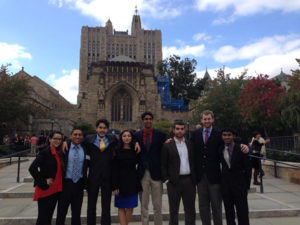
(178,122)
(229,129)
(146,114)
(75,128)
(104,121)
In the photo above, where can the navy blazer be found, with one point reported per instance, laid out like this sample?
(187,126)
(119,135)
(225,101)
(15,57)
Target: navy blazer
(100,163)
(153,155)
(239,174)
(207,155)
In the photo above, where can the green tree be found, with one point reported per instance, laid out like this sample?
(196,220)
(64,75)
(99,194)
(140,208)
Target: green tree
(86,128)
(221,96)
(290,103)
(163,126)
(15,104)
(184,83)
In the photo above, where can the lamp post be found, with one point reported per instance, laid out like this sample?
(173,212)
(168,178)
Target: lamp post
(52,123)
(188,130)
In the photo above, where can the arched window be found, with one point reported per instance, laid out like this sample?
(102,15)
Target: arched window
(121,106)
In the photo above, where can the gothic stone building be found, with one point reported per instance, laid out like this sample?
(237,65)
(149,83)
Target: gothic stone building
(117,78)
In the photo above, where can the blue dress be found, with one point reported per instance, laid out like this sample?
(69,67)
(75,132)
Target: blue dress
(123,202)
(125,178)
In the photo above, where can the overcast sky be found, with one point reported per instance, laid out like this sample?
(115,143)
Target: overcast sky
(260,35)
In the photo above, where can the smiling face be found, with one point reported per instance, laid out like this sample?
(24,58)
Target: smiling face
(147,122)
(101,129)
(56,140)
(207,120)
(227,137)
(76,137)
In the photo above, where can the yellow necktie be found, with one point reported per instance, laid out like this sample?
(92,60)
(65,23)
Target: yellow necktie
(102,144)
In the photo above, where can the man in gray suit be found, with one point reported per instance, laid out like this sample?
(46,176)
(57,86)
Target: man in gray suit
(178,171)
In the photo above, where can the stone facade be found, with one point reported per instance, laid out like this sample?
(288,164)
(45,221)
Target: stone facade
(105,43)
(121,90)
(117,78)
(58,114)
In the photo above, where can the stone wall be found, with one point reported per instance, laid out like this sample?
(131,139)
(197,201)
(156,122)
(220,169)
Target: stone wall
(285,172)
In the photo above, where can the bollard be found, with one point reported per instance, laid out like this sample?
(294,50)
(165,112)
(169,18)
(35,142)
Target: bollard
(18,175)
(275,169)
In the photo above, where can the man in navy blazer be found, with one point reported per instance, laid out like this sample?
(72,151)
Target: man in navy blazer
(74,179)
(236,174)
(207,141)
(151,142)
(101,148)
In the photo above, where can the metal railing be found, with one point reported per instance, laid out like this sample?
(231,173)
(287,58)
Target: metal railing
(261,172)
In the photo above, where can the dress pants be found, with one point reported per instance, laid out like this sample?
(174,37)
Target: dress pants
(186,190)
(46,208)
(72,194)
(235,197)
(93,191)
(154,188)
(210,198)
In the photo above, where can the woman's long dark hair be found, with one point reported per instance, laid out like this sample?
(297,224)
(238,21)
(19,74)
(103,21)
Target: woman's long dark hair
(131,144)
(59,149)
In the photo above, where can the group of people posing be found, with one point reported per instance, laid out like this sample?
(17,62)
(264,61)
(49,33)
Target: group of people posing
(136,165)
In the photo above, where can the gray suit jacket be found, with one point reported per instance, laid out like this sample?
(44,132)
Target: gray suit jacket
(170,162)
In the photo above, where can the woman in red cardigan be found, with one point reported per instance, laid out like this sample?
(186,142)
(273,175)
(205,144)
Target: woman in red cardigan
(46,170)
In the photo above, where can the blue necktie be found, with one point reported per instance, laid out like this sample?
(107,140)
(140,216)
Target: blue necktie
(76,167)
(147,141)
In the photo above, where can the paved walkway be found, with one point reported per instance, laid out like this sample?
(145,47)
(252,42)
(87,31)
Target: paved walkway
(279,204)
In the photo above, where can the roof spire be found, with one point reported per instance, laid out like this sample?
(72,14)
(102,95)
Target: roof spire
(136,10)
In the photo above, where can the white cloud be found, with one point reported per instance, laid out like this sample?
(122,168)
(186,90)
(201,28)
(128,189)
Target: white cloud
(120,11)
(268,64)
(12,53)
(196,51)
(278,45)
(248,7)
(201,37)
(67,85)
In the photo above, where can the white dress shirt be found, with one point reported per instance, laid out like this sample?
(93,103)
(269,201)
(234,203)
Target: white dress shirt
(184,157)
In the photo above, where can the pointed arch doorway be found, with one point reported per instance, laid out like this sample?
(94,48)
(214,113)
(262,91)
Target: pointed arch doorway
(121,106)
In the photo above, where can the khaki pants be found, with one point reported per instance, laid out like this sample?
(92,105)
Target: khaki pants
(155,189)
(33,149)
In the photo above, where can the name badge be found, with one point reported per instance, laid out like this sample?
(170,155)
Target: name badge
(87,157)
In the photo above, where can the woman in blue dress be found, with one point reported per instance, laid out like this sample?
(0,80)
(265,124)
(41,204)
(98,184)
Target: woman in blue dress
(125,181)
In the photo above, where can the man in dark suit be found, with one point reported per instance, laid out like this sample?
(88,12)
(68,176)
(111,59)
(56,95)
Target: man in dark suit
(207,142)
(236,174)
(74,179)
(101,148)
(151,141)
(178,171)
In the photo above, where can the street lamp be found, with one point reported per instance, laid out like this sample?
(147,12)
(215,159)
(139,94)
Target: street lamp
(52,123)
(188,129)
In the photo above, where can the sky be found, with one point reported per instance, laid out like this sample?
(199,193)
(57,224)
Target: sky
(43,36)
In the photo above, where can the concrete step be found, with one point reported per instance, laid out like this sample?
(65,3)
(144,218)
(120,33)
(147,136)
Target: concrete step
(26,190)
(137,217)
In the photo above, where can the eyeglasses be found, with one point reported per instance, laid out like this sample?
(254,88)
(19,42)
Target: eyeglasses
(57,139)
(147,119)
